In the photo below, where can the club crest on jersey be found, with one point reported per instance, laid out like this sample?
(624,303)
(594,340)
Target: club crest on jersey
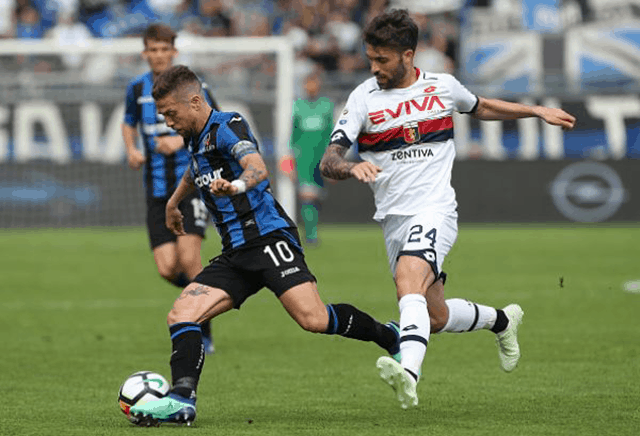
(411,132)
(207,143)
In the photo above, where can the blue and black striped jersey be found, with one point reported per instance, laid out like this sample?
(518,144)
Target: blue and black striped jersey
(216,153)
(162,173)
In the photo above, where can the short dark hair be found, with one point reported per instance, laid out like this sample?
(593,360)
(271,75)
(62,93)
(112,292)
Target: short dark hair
(159,32)
(393,29)
(172,79)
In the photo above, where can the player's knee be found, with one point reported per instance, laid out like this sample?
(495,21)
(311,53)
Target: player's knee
(314,322)
(177,315)
(437,321)
(167,271)
(191,264)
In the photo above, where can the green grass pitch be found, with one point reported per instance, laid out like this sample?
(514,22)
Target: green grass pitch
(83,309)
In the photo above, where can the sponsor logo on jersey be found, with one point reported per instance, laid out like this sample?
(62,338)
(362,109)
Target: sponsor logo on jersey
(342,122)
(344,112)
(289,271)
(411,132)
(429,89)
(206,179)
(428,103)
(235,119)
(413,153)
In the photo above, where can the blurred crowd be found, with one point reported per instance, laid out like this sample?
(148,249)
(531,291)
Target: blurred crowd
(325,33)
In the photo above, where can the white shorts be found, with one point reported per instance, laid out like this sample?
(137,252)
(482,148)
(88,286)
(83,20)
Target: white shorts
(428,235)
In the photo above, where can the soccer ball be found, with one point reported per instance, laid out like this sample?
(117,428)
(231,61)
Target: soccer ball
(140,388)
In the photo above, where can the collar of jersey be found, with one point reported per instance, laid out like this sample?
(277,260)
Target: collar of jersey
(204,129)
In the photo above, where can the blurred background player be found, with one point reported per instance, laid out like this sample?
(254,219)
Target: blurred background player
(165,161)
(312,125)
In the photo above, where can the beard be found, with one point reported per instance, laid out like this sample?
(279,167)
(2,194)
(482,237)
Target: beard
(394,80)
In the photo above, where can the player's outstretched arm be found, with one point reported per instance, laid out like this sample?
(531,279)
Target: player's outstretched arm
(334,166)
(494,109)
(173,216)
(255,171)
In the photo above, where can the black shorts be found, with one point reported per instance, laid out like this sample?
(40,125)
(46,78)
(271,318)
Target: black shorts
(194,214)
(270,261)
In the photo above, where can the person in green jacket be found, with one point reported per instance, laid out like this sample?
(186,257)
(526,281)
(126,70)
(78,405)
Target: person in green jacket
(312,126)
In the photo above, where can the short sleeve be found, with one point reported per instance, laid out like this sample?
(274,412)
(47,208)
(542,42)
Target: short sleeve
(131,106)
(351,121)
(233,131)
(464,101)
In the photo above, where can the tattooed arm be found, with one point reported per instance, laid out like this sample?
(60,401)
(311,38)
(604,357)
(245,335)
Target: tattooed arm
(335,166)
(255,171)
(173,216)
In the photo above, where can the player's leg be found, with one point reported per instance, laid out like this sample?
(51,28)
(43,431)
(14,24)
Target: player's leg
(166,259)
(197,303)
(304,305)
(202,300)
(416,247)
(194,218)
(309,210)
(163,244)
(455,315)
(279,265)
(188,249)
(413,276)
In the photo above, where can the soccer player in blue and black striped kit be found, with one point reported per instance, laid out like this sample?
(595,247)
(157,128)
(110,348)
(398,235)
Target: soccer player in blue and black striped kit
(165,161)
(261,246)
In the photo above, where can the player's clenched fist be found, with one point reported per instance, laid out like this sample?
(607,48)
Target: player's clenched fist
(173,219)
(222,187)
(365,172)
(135,159)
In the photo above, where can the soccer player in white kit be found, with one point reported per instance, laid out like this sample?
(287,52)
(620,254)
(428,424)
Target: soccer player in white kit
(402,121)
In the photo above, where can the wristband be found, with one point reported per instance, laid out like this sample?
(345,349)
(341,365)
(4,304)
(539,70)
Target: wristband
(241,185)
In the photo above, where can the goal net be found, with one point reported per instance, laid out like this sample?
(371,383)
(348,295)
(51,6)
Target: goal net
(62,157)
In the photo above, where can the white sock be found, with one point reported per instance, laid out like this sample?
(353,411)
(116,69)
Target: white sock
(466,316)
(415,328)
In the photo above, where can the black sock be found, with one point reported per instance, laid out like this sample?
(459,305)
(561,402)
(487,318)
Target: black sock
(181,281)
(346,320)
(501,322)
(206,329)
(187,358)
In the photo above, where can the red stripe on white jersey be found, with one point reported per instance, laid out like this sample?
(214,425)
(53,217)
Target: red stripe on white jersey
(426,126)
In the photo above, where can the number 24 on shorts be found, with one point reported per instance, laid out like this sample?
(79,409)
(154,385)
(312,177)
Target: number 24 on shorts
(416,231)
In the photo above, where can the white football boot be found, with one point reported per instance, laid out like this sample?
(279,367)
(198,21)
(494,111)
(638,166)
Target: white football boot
(402,383)
(507,340)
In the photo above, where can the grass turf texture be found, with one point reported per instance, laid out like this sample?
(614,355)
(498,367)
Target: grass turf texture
(83,309)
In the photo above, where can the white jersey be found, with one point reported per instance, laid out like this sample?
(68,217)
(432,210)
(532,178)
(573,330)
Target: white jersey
(408,132)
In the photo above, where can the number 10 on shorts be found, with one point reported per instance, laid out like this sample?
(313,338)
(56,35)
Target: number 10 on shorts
(283,252)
